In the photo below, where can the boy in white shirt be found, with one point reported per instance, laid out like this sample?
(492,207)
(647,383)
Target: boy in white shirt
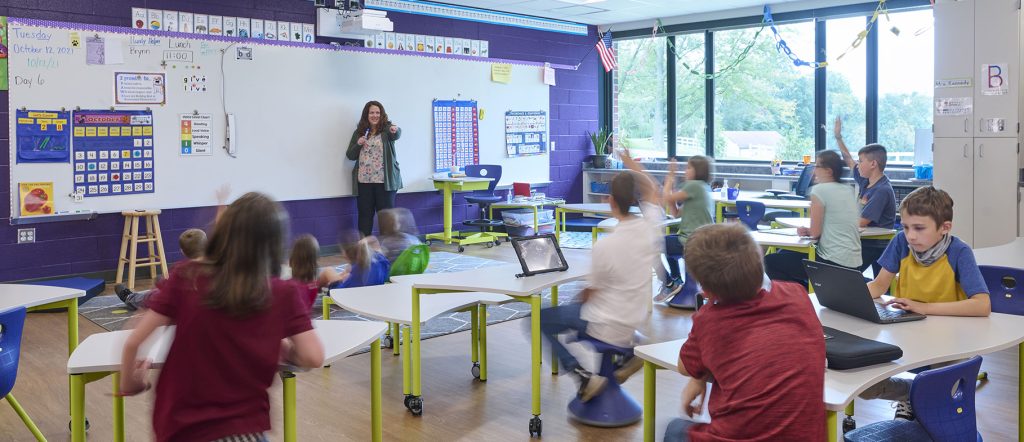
(614,305)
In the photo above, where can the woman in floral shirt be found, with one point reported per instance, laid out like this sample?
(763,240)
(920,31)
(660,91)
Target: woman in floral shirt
(376,176)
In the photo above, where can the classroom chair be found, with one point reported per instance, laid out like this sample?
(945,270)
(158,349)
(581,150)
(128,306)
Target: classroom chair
(1004,293)
(943,402)
(614,407)
(800,192)
(750,213)
(483,198)
(12,322)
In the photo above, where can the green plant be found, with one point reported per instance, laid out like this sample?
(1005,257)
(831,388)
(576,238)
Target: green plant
(602,141)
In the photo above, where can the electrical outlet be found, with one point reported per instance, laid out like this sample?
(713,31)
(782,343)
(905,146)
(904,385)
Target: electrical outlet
(552,146)
(26,235)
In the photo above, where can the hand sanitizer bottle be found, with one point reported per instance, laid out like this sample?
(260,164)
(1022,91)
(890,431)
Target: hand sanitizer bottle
(725,189)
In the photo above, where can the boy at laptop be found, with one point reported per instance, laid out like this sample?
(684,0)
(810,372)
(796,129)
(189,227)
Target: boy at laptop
(935,275)
(762,389)
(614,304)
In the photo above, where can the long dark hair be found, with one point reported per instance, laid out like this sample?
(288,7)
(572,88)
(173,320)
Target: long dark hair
(830,160)
(305,251)
(244,252)
(364,120)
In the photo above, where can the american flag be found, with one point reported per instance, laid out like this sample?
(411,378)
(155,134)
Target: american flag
(604,48)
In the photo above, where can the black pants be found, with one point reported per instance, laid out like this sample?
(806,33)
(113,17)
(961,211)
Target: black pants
(372,198)
(870,251)
(787,265)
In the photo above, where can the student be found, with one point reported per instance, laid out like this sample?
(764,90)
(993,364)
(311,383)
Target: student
(367,265)
(397,232)
(875,195)
(614,304)
(235,321)
(834,222)
(743,342)
(937,275)
(698,210)
(192,243)
(305,270)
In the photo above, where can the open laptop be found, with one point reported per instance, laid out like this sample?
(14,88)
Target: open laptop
(844,290)
(539,254)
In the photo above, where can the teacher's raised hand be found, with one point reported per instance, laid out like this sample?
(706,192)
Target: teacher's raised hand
(394,129)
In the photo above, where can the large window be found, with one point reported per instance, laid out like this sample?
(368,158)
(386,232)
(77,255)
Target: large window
(846,78)
(905,86)
(640,96)
(764,106)
(690,86)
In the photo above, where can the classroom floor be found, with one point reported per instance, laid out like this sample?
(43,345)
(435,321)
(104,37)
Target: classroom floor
(333,403)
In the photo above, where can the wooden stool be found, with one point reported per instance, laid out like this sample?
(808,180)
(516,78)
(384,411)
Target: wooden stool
(130,240)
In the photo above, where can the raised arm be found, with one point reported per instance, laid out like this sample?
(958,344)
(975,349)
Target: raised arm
(837,130)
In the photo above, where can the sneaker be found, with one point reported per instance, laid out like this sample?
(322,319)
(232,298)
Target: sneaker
(904,411)
(630,367)
(668,290)
(122,293)
(590,384)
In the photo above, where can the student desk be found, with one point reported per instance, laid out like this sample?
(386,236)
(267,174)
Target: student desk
(1007,255)
(532,204)
(609,224)
(100,356)
(798,206)
(390,302)
(602,209)
(935,339)
(449,186)
(502,280)
(804,244)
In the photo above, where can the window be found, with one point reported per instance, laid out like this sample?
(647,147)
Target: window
(905,73)
(640,96)
(846,82)
(764,106)
(690,87)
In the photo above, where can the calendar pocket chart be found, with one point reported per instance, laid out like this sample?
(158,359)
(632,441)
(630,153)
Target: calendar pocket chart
(113,152)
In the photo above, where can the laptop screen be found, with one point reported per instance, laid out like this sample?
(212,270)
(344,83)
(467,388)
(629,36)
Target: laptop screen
(539,254)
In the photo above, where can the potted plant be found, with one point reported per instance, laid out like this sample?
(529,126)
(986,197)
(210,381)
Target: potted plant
(602,141)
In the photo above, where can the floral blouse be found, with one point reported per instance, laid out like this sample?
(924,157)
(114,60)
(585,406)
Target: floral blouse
(371,161)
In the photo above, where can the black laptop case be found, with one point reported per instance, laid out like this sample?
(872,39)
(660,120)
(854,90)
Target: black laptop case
(845,351)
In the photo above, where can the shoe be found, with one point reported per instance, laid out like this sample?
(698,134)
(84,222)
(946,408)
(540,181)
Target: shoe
(630,367)
(668,290)
(590,384)
(122,293)
(904,411)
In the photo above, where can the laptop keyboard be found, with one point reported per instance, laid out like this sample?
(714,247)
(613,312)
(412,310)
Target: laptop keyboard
(885,313)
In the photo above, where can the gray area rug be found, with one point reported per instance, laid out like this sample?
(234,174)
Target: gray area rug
(109,313)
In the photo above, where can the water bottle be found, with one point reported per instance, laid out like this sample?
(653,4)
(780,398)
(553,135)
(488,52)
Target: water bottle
(508,196)
(725,189)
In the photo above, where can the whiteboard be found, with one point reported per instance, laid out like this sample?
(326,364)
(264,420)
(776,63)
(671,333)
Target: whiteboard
(295,106)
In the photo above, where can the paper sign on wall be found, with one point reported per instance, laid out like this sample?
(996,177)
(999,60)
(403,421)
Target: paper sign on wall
(952,83)
(501,72)
(549,75)
(953,106)
(36,198)
(196,134)
(139,88)
(995,79)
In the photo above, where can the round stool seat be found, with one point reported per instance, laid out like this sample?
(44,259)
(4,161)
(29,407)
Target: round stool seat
(141,212)
(614,407)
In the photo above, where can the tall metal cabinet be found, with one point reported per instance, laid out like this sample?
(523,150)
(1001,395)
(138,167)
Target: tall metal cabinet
(976,144)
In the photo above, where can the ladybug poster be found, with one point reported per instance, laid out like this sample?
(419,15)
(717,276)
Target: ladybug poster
(36,198)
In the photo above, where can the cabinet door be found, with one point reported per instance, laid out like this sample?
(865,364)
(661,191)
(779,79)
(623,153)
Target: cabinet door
(954,170)
(954,60)
(996,63)
(995,192)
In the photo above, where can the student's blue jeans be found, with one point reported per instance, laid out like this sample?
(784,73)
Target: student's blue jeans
(678,430)
(673,253)
(557,320)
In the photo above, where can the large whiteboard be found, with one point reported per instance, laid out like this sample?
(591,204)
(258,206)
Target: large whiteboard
(295,107)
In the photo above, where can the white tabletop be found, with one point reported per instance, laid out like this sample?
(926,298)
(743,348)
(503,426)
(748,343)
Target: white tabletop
(934,339)
(598,208)
(391,302)
(806,223)
(530,202)
(747,195)
(467,179)
(777,240)
(1006,255)
(101,352)
(26,295)
(610,223)
(502,279)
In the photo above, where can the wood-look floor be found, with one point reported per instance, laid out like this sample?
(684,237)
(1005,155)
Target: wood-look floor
(333,403)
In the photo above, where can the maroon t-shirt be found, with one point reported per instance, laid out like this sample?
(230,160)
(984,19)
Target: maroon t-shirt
(215,380)
(767,359)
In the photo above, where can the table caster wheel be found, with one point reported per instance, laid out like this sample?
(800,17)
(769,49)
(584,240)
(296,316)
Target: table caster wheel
(475,370)
(497,242)
(416,405)
(86,425)
(406,401)
(387,341)
(535,426)
(849,424)
(508,239)
(462,249)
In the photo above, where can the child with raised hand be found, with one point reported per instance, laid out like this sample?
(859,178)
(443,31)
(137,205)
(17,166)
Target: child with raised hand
(760,347)
(367,265)
(397,232)
(235,319)
(834,223)
(304,266)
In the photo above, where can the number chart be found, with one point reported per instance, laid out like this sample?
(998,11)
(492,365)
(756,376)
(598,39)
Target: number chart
(113,152)
(456,134)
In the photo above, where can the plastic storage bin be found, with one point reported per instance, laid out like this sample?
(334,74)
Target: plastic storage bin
(527,230)
(524,217)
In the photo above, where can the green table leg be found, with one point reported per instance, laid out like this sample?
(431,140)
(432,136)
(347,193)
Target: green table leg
(650,373)
(288,382)
(474,332)
(831,426)
(25,418)
(447,195)
(719,212)
(376,422)
(554,356)
(77,408)
(326,301)
(118,409)
(414,348)
(396,332)
(536,223)
(559,223)
(1020,392)
(482,311)
(72,325)
(535,359)
(406,373)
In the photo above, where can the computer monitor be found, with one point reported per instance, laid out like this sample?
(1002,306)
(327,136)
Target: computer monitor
(539,254)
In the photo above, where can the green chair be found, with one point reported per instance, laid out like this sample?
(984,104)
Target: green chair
(412,261)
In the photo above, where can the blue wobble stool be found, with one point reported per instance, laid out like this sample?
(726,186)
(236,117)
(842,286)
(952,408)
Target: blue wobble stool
(614,407)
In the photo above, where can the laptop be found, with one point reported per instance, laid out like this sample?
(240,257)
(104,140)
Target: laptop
(539,254)
(844,290)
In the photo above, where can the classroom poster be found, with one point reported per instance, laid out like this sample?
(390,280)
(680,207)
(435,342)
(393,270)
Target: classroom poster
(36,198)
(43,136)
(526,133)
(196,134)
(3,54)
(269,30)
(113,152)
(139,88)
(243,27)
(456,134)
(995,79)
(230,26)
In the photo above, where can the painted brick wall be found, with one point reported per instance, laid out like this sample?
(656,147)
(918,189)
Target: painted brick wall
(65,248)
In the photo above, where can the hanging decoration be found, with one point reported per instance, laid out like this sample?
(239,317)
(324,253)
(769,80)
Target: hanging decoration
(783,47)
(725,69)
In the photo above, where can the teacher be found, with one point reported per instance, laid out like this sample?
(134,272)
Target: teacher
(376,176)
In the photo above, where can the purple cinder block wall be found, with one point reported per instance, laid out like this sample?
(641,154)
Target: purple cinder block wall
(77,247)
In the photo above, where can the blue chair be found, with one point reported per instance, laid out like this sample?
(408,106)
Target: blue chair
(12,322)
(800,192)
(483,198)
(1004,286)
(750,213)
(614,407)
(943,402)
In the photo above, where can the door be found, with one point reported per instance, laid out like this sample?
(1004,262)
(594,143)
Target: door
(954,68)
(995,192)
(954,173)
